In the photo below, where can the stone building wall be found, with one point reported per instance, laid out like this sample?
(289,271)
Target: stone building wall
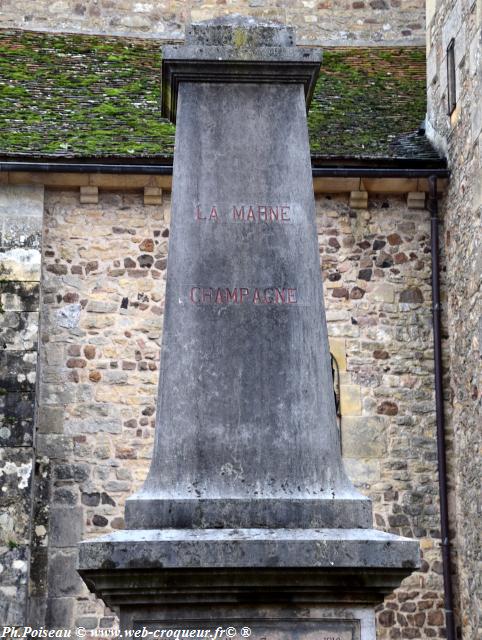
(21,211)
(342,21)
(460,137)
(103,280)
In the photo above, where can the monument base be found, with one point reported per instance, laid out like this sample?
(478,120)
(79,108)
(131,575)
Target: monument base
(279,584)
(258,623)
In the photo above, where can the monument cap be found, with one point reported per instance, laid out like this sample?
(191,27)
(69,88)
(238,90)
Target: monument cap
(240,31)
(234,50)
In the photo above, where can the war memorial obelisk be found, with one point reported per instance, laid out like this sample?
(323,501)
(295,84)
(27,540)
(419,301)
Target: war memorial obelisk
(246,518)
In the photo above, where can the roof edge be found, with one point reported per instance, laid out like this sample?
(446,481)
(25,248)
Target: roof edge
(340,168)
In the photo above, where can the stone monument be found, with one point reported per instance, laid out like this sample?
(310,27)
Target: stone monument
(246,520)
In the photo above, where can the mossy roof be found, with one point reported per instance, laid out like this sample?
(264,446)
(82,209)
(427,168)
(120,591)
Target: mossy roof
(84,96)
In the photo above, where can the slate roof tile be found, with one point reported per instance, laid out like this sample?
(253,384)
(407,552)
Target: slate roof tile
(85,96)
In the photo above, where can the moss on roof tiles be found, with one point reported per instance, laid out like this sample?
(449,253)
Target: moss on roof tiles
(66,95)
(77,95)
(370,103)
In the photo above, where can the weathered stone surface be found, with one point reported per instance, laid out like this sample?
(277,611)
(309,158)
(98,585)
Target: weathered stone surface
(65,526)
(68,316)
(17,393)
(15,487)
(375,21)
(53,445)
(131,338)
(21,212)
(60,613)
(15,490)
(413,295)
(14,563)
(350,399)
(63,579)
(405,376)
(460,139)
(223,548)
(255,288)
(249,548)
(363,437)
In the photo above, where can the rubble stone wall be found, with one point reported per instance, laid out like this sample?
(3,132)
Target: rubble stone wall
(342,21)
(460,137)
(103,283)
(21,211)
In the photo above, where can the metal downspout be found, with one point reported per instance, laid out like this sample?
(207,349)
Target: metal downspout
(439,408)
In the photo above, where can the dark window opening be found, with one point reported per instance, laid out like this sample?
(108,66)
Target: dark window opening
(451,93)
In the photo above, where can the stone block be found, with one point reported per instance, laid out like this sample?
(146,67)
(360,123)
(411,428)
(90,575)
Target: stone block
(388,185)
(126,181)
(21,264)
(362,437)
(89,195)
(26,200)
(37,611)
(60,613)
(13,586)
(359,199)
(102,306)
(124,554)
(460,51)
(87,622)
(63,579)
(15,503)
(94,425)
(19,330)
(21,231)
(50,419)
(416,200)
(19,296)
(54,394)
(18,370)
(16,417)
(152,195)
(452,25)
(50,179)
(335,185)
(383,293)
(115,377)
(338,350)
(65,526)
(476,121)
(53,445)
(430,9)
(474,48)
(362,472)
(432,66)
(68,316)
(350,400)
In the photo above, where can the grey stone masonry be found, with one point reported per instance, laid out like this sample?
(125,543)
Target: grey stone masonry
(21,215)
(246,426)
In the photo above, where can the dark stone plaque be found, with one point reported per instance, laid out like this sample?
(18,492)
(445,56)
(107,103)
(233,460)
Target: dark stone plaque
(255,629)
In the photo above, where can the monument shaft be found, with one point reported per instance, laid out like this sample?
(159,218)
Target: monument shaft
(246,516)
(246,387)
(246,431)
